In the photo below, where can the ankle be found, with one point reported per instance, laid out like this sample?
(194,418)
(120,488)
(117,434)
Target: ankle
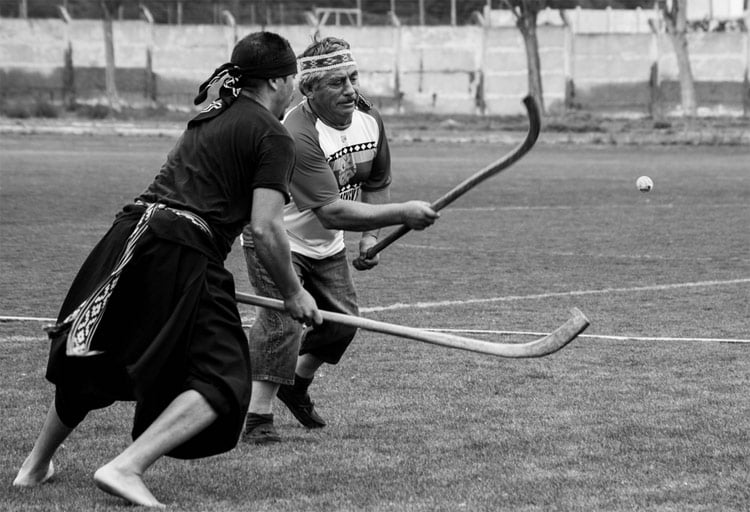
(254,419)
(301,383)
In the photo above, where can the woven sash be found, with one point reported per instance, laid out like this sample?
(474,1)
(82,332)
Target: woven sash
(86,317)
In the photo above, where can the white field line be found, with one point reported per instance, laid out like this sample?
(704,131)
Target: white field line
(575,293)
(604,256)
(589,207)
(595,336)
(42,319)
(508,298)
(26,319)
(27,339)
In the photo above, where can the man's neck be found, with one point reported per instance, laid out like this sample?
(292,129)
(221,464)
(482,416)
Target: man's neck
(256,97)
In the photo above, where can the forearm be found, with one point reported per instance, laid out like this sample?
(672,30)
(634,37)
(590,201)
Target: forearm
(356,216)
(272,249)
(382,196)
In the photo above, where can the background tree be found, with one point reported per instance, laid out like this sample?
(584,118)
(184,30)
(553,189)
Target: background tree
(526,13)
(109,7)
(674,13)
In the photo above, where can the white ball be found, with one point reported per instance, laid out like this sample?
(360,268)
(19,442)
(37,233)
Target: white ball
(644,184)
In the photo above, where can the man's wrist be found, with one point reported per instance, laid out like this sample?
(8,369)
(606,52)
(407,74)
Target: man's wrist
(288,294)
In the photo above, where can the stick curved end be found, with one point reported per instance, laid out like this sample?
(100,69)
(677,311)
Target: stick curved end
(560,337)
(578,315)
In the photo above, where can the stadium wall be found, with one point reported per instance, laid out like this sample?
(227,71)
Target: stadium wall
(435,69)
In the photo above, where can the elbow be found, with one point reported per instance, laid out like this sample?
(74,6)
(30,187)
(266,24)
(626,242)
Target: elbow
(327,218)
(327,222)
(261,232)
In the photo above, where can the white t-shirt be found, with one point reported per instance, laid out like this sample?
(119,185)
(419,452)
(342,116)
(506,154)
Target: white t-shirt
(331,164)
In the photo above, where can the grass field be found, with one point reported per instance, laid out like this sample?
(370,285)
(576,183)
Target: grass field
(650,410)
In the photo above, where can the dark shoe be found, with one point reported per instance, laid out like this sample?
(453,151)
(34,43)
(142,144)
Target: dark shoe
(301,406)
(259,429)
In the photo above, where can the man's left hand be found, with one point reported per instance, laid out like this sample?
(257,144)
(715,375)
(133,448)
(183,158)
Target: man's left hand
(362,262)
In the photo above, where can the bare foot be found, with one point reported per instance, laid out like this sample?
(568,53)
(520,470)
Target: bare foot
(125,485)
(31,477)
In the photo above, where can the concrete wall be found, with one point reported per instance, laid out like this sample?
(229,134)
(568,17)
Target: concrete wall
(467,69)
(719,62)
(611,71)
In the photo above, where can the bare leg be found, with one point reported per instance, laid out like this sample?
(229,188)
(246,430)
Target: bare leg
(186,416)
(307,365)
(262,395)
(38,468)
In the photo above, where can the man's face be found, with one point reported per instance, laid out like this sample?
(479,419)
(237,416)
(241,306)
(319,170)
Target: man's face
(284,95)
(335,96)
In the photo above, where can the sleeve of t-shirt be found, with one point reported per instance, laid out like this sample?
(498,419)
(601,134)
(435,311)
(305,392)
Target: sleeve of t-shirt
(275,164)
(313,182)
(380,174)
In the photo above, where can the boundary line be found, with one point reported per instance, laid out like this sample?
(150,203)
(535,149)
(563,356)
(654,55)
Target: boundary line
(576,293)
(25,319)
(510,208)
(476,331)
(509,298)
(595,336)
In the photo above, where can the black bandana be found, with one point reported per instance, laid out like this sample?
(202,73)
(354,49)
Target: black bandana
(227,94)
(231,78)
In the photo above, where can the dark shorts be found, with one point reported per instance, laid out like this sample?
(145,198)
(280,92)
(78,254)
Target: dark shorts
(171,325)
(276,338)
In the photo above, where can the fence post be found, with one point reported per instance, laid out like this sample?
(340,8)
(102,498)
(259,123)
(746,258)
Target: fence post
(480,101)
(746,81)
(568,60)
(68,75)
(654,80)
(232,24)
(397,94)
(150,78)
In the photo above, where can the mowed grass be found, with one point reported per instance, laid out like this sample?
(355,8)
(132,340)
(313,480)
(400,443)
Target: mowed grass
(605,424)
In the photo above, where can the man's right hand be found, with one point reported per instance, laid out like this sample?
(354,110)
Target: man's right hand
(419,215)
(302,307)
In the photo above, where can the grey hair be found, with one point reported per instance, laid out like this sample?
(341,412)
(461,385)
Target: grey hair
(319,47)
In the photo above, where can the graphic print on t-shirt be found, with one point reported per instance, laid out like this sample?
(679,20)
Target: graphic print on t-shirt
(349,161)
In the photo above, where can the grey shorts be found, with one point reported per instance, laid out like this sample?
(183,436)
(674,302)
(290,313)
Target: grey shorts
(276,338)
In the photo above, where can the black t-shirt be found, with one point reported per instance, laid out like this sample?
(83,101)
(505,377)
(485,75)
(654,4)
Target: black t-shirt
(215,166)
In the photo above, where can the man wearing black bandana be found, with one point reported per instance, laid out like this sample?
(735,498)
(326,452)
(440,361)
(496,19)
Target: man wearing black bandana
(151,316)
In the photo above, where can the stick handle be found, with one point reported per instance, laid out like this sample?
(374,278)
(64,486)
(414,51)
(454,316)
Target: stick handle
(532,111)
(386,241)
(539,348)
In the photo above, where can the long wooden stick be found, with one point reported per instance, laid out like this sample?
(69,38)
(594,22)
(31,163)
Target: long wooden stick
(546,345)
(499,165)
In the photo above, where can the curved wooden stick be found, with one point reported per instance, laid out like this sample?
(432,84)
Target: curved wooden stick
(546,345)
(532,110)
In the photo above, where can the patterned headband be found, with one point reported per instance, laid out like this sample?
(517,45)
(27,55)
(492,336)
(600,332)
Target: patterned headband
(327,62)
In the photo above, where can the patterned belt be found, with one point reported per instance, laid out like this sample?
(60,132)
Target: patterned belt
(86,317)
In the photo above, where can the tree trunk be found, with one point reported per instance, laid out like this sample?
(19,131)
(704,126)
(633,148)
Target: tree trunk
(527,25)
(676,22)
(687,83)
(109,55)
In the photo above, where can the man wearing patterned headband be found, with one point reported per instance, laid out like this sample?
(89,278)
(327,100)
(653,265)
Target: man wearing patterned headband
(341,182)
(151,316)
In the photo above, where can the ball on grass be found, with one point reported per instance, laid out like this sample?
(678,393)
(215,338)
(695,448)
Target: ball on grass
(644,184)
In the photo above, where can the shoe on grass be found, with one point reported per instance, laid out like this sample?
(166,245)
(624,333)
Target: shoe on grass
(259,429)
(301,406)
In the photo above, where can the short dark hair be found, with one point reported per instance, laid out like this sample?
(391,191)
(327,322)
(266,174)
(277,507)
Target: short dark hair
(261,50)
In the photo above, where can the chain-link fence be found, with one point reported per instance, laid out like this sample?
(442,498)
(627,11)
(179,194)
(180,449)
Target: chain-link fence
(262,12)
